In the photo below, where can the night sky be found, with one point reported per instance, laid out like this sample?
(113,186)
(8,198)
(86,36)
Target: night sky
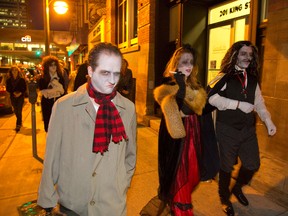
(57,22)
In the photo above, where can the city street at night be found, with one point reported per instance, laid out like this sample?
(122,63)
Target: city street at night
(179,59)
(20,174)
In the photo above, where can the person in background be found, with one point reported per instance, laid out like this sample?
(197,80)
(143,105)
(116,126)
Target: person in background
(182,99)
(90,153)
(65,73)
(72,77)
(126,82)
(16,86)
(51,86)
(236,96)
(81,76)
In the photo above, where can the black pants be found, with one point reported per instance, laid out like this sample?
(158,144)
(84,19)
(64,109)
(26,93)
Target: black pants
(46,106)
(17,104)
(235,143)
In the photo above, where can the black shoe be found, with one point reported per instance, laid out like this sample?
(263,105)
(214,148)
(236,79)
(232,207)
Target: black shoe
(240,196)
(17,129)
(228,209)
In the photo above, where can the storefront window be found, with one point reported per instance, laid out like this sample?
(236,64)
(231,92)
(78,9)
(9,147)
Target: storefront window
(240,29)
(227,23)
(6,46)
(20,46)
(219,43)
(33,47)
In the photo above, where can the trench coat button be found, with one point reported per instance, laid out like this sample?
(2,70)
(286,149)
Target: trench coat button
(93,174)
(92,202)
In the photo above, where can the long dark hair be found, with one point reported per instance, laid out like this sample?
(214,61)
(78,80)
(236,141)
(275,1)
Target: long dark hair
(230,59)
(47,61)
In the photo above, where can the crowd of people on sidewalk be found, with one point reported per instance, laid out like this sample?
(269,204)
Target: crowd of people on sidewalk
(54,81)
(90,155)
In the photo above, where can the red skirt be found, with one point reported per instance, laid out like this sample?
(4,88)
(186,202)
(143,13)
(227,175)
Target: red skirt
(187,177)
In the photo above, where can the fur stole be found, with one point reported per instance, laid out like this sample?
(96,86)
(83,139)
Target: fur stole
(165,96)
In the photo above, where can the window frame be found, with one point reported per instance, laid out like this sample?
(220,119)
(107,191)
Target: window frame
(126,24)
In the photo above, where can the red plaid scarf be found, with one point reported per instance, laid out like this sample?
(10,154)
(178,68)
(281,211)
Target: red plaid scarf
(108,121)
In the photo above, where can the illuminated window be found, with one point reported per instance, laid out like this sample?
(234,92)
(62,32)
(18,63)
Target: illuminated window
(33,47)
(6,46)
(127,24)
(20,46)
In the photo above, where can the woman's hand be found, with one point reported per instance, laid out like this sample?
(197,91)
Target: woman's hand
(17,94)
(180,80)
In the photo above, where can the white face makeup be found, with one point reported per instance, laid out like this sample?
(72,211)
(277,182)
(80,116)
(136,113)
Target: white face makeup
(107,74)
(244,57)
(186,64)
(52,68)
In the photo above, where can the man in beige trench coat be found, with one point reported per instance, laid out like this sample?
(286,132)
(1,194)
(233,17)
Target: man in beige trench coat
(91,144)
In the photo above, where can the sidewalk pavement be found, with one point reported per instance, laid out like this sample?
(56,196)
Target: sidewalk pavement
(20,174)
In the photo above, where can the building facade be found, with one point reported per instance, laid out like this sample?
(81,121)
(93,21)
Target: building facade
(15,14)
(27,47)
(26,44)
(273,38)
(148,31)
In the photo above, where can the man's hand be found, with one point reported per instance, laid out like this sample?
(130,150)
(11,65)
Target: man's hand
(245,107)
(271,128)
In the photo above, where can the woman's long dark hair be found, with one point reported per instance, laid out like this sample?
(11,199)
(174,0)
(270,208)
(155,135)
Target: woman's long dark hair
(47,61)
(230,59)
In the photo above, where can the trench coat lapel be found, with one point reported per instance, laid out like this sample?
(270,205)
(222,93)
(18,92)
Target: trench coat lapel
(82,98)
(120,104)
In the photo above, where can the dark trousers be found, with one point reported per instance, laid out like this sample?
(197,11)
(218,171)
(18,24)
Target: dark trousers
(46,106)
(223,187)
(235,143)
(17,104)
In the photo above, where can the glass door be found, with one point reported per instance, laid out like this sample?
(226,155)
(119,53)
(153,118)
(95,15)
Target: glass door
(220,38)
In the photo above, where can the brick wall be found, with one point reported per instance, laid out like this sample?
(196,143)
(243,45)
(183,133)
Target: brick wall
(275,78)
(273,175)
(145,70)
(141,61)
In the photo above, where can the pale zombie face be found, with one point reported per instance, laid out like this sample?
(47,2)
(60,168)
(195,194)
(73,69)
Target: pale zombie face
(186,64)
(52,68)
(107,74)
(244,57)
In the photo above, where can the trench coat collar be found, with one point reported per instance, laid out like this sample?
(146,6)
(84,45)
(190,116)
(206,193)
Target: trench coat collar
(82,98)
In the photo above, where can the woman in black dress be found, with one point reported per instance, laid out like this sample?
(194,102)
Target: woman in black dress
(51,85)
